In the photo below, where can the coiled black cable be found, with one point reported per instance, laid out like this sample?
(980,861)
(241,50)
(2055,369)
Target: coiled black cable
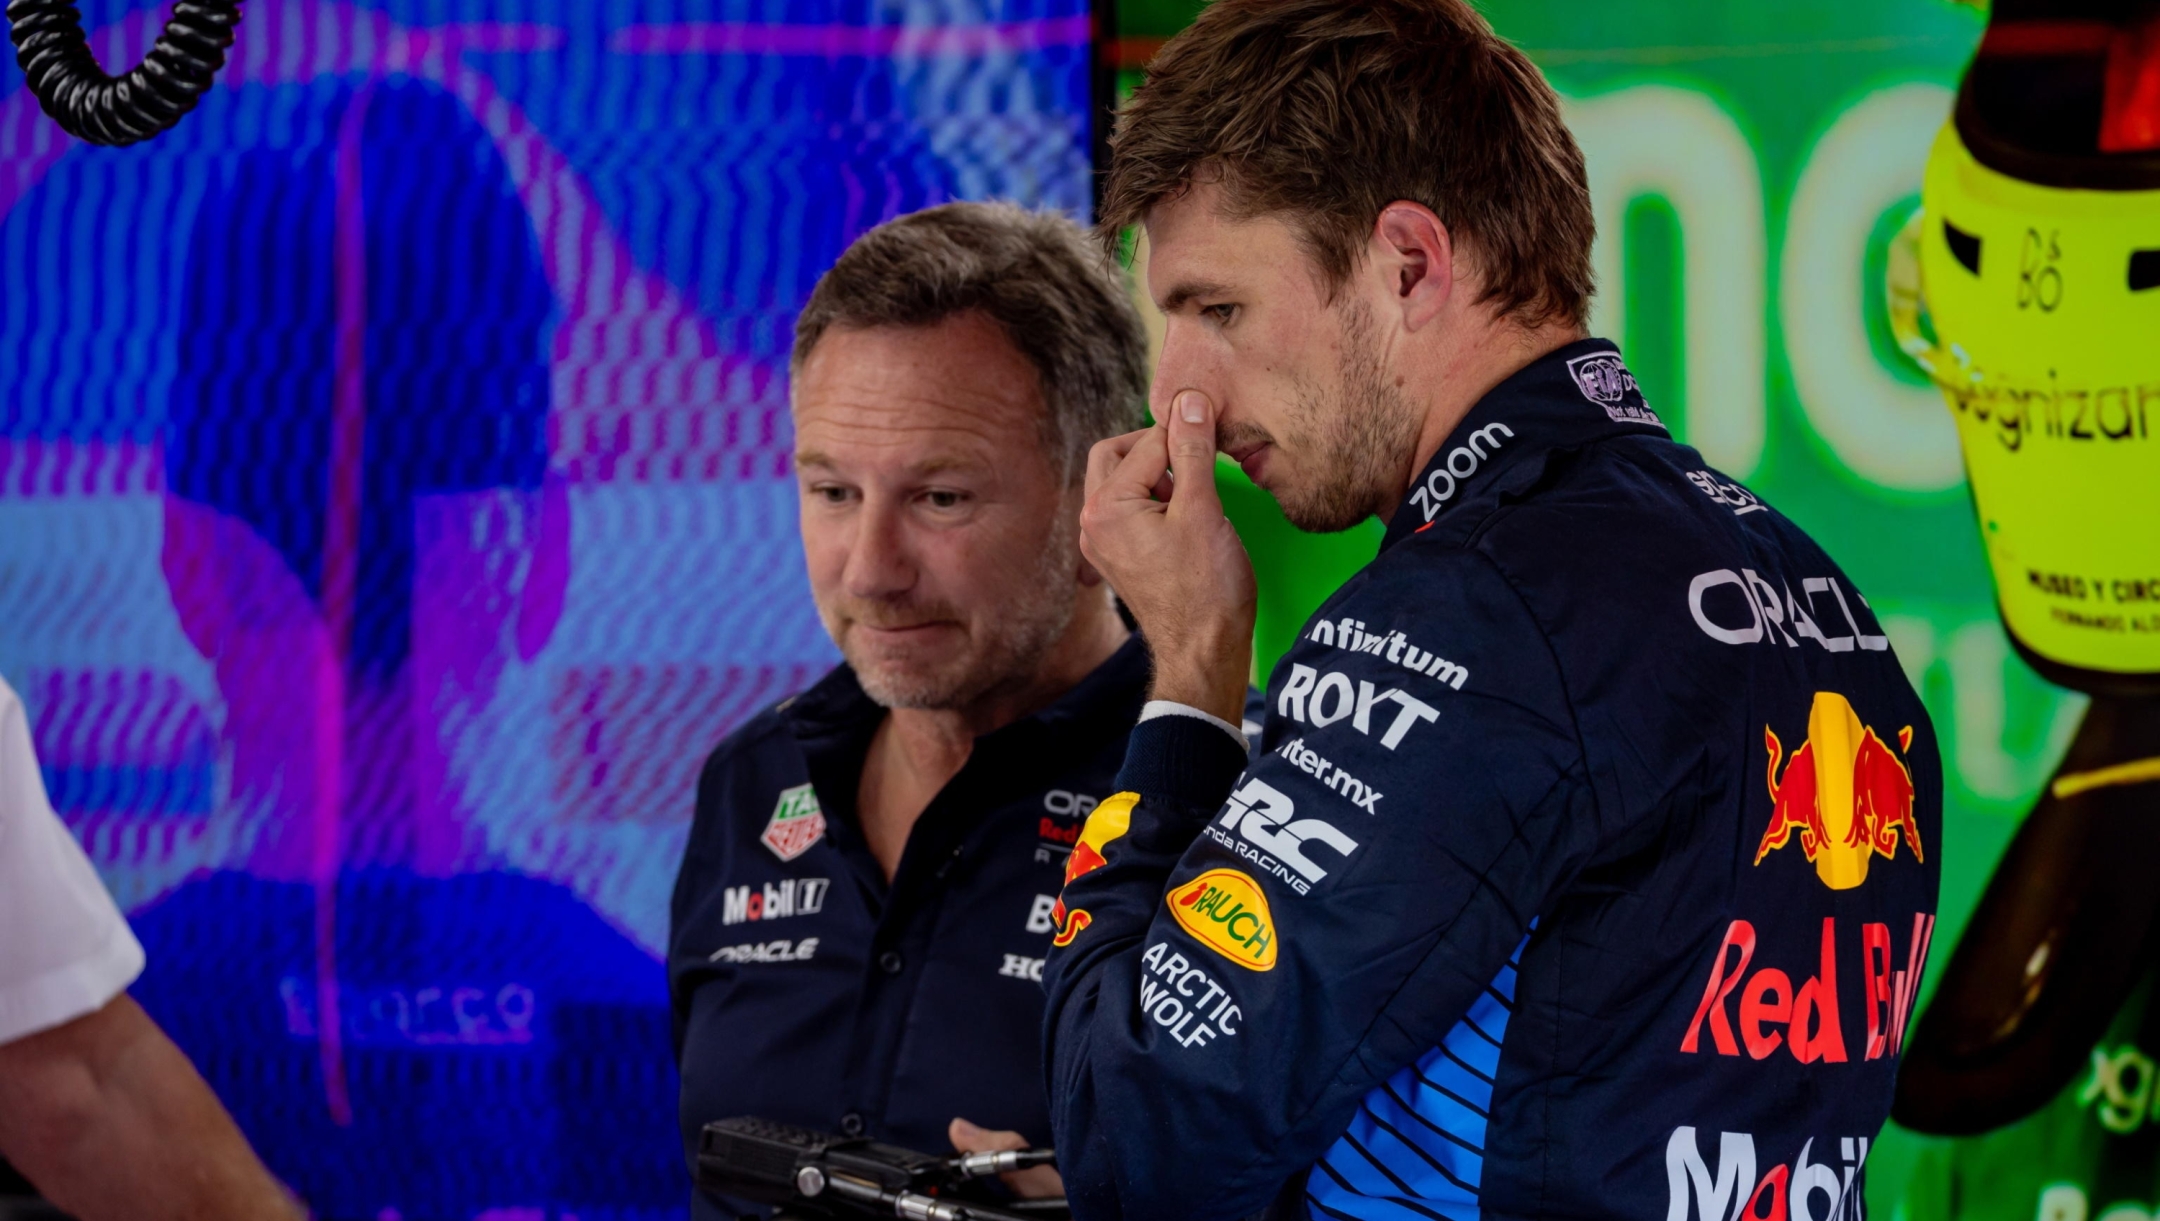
(150,98)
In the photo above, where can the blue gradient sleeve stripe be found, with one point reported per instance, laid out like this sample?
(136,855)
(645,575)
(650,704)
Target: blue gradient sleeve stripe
(1416,1146)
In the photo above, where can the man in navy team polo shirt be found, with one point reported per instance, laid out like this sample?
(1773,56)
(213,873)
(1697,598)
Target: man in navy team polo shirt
(864,906)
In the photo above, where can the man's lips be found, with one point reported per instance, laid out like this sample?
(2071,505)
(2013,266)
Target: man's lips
(912,631)
(1249,457)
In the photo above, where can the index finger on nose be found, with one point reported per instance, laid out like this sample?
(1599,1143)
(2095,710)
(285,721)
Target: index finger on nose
(1105,455)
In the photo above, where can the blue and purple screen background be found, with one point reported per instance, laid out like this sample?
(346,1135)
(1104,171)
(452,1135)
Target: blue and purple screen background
(395,508)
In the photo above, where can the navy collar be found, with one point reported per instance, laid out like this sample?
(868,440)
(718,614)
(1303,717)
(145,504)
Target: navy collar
(835,719)
(1571,397)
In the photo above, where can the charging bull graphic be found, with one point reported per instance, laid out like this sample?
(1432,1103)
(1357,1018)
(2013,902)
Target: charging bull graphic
(1844,790)
(1108,821)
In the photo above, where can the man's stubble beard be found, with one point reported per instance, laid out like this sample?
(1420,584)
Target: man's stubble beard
(1357,445)
(1011,645)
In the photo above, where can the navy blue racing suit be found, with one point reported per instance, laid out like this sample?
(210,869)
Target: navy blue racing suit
(1587,867)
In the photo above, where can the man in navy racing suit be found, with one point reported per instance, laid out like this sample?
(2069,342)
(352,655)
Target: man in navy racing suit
(1589,861)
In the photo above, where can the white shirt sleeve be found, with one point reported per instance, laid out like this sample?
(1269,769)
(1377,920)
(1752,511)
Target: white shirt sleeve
(1155,708)
(65,949)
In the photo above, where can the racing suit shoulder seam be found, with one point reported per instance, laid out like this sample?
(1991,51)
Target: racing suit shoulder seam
(1582,753)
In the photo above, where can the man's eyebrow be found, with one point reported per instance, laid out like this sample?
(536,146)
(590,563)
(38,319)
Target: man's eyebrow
(1185,290)
(931,466)
(939,466)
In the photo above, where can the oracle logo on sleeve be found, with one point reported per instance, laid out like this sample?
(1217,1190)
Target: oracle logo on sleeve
(1745,608)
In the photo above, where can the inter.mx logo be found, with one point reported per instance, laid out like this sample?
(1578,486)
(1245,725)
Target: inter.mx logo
(1260,824)
(1801,1190)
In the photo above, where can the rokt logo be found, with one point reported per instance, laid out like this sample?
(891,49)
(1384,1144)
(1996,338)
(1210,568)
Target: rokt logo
(1844,791)
(1461,462)
(1320,698)
(1261,817)
(1109,820)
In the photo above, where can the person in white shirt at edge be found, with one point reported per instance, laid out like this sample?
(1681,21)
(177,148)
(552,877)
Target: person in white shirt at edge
(98,1109)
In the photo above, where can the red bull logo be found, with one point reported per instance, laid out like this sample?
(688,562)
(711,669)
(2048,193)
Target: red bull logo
(1844,791)
(1106,822)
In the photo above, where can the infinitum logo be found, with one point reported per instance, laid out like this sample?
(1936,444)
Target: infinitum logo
(1351,634)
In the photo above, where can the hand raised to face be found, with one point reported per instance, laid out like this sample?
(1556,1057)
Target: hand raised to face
(1154,526)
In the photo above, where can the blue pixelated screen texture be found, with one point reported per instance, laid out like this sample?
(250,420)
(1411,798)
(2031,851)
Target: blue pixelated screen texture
(395,508)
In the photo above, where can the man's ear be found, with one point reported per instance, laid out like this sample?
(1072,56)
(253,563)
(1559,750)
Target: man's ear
(1418,255)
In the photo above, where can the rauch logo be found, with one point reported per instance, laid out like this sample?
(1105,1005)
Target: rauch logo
(1224,910)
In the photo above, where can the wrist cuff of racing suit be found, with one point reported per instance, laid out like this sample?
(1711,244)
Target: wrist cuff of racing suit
(1182,759)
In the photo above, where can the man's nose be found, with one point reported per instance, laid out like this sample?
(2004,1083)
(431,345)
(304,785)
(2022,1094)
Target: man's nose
(1181,365)
(879,564)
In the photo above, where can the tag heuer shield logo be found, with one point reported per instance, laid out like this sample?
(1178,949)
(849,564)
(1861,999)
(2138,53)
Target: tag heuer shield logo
(797,822)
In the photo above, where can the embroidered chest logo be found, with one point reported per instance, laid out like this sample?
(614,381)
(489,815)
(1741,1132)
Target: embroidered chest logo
(797,822)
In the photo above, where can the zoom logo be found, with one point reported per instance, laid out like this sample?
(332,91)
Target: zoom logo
(1461,462)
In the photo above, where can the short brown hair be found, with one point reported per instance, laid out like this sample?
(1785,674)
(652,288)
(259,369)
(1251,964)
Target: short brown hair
(1058,299)
(1328,111)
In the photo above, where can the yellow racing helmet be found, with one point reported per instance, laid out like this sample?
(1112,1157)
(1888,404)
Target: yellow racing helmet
(2028,287)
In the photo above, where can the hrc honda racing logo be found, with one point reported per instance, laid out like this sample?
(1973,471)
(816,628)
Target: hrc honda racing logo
(1260,824)
(1811,1187)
